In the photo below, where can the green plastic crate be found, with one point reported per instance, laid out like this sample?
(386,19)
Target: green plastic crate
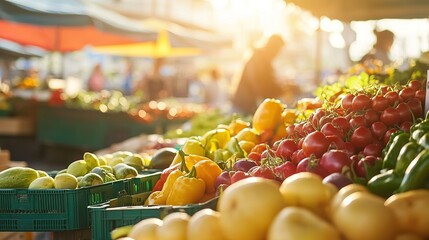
(86,129)
(106,217)
(60,210)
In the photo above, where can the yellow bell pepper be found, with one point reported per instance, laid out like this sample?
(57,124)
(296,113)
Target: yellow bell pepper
(191,160)
(191,146)
(155,198)
(289,117)
(160,197)
(237,125)
(219,136)
(187,189)
(248,134)
(246,146)
(208,171)
(267,115)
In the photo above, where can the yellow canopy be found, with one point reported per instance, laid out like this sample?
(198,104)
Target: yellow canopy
(159,49)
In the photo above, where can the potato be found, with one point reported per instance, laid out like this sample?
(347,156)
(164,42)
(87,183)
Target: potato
(248,208)
(342,194)
(146,229)
(174,227)
(363,215)
(294,223)
(205,225)
(306,190)
(408,236)
(411,211)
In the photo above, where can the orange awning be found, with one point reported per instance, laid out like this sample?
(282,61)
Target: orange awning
(62,39)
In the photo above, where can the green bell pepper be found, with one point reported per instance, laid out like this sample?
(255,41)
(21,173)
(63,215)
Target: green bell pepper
(391,157)
(234,148)
(385,184)
(408,152)
(417,173)
(417,135)
(424,141)
(389,143)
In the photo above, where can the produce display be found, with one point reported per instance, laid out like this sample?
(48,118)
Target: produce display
(90,171)
(351,163)
(202,123)
(135,105)
(367,136)
(301,207)
(105,101)
(344,137)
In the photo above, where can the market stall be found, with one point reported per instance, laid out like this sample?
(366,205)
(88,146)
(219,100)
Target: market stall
(351,163)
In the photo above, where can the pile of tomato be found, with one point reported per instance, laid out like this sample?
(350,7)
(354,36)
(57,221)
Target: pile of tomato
(347,137)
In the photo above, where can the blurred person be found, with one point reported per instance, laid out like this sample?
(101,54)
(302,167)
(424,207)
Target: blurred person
(154,85)
(381,49)
(128,80)
(216,91)
(96,79)
(257,80)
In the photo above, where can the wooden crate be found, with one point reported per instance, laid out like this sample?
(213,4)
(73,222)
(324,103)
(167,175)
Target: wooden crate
(17,126)
(16,236)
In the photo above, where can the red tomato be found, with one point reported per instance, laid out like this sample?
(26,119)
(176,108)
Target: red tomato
(379,103)
(290,131)
(349,148)
(404,112)
(315,143)
(334,161)
(300,143)
(346,101)
(298,129)
(335,142)
(406,93)
(260,171)
(311,165)
(406,126)
(361,102)
(286,148)
(416,107)
(358,121)
(276,145)
(259,148)
(415,85)
(341,123)
(239,175)
(330,129)
(373,149)
(317,116)
(392,97)
(369,161)
(371,116)
(361,137)
(387,135)
(421,95)
(308,128)
(285,170)
(297,156)
(255,157)
(390,117)
(269,153)
(384,90)
(324,120)
(378,129)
